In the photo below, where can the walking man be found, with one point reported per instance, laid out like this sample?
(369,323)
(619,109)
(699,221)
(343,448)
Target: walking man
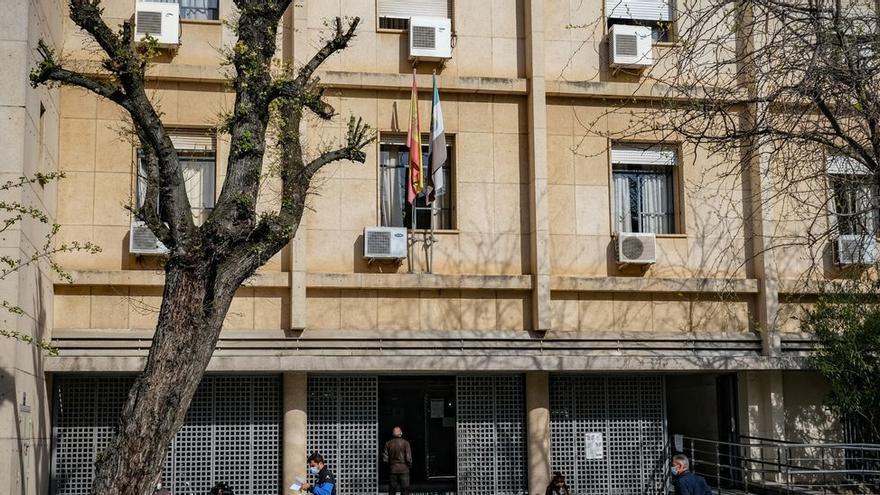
(686,482)
(398,456)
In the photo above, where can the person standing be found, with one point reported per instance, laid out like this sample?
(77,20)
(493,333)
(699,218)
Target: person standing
(326,482)
(398,456)
(686,482)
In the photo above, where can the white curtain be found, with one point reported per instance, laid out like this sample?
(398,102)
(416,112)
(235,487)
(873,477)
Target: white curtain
(196,9)
(392,189)
(655,195)
(622,211)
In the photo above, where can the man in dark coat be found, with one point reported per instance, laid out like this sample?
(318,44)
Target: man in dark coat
(398,456)
(686,482)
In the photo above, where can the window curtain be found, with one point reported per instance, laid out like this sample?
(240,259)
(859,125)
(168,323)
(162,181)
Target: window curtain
(655,198)
(855,206)
(393,187)
(196,9)
(622,209)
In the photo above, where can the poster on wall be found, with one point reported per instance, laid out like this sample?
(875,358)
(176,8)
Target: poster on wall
(594,445)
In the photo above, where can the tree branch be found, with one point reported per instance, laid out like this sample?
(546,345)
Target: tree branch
(338,42)
(359,136)
(48,70)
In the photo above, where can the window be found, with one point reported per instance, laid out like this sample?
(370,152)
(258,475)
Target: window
(393,173)
(644,188)
(395,14)
(197,154)
(197,9)
(656,14)
(854,197)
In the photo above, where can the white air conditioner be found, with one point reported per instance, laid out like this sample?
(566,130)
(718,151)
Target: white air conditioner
(385,243)
(160,20)
(430,38)
(630,46)
(856,250)
(636,248)
(141,240)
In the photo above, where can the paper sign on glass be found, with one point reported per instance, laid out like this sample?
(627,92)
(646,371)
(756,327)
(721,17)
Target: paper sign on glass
(594,445)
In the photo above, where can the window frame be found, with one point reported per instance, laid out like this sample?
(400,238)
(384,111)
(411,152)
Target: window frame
(380,29)
(675,171)
(201,212)
(671,32)
(844,172)
(451,186)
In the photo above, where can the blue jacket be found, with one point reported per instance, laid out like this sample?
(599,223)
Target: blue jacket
(689,483)
(326,484)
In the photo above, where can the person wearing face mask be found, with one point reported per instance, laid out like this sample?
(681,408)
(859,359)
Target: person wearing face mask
(326,482)
(685,481)
(398,456)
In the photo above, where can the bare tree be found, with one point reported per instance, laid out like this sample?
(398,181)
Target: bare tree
(206,263)
(785,97)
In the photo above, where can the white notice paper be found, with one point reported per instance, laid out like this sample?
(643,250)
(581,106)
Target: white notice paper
(594,445)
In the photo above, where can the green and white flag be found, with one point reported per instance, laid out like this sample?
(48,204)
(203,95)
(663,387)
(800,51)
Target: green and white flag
(436,149)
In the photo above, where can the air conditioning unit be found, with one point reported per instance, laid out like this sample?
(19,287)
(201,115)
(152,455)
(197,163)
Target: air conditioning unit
(430,38)
(141,240)
(856,250)
(160,20)
(630,46)
(385,243)
(636,248)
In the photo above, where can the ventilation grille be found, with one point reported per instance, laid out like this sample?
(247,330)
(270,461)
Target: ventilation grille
(149,22)
(490,432)
(627,414)
(231,433)
(632,248)
(343,426)
(856,249)
(143,241)
(424,37)
(379,242)
(626,45)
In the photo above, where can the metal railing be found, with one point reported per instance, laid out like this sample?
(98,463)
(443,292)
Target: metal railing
(769,466)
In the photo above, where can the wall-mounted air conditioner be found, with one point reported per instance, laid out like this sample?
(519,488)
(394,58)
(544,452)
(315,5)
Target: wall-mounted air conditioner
(630,46)
(387,243)
(636,248)
(430,38)
(159,20)
(141,240)
(856,250)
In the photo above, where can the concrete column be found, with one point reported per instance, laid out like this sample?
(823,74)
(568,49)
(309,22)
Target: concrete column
(538,209)
(295,52)
(762,404)
(294,400)
(757,208)
(538,420)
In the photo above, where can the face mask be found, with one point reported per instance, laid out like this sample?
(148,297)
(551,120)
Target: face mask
(313,470)
(398,435)
(673,470)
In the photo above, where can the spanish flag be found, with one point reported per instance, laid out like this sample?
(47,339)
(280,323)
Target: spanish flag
(416,183)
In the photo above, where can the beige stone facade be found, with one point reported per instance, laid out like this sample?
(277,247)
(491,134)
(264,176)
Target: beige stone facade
(525,281)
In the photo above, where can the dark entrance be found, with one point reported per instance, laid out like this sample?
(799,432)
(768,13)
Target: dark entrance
(424,406)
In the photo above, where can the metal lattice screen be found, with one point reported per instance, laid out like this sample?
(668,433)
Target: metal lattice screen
(343,426)
(491,433)
(627,414)
(232,433)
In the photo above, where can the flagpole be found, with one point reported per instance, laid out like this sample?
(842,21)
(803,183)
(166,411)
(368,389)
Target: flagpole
(430,247)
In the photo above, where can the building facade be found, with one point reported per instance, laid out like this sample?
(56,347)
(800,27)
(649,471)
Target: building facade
(509,344)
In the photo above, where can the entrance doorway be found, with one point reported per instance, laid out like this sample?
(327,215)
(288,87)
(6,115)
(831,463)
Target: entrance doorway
(424,407)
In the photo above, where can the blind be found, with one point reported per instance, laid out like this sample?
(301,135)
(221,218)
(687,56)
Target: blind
(844,165)
(643,154)
(644,10)
(415,8)
(192,139)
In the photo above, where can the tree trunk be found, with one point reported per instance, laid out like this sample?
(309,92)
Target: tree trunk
(189,324)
